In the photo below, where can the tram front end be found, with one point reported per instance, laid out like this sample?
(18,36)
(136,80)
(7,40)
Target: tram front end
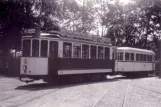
(33,68)
(34,63)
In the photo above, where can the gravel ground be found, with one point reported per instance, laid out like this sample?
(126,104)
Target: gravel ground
(115,92)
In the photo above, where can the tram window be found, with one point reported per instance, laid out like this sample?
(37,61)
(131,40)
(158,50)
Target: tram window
(100,52)
(85,51)
(137,57)
(121,55)
(67,50)
(26,48)
(118,55)
(44,48)
(35,48)
(150,57)
(53,50)
(107,53)
(93,52)
(144,57)
(141,57)
(127,56)
(153,58)
(132,56)
(76,50)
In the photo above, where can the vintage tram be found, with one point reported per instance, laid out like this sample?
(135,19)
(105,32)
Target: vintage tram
(133,61)
(50,55)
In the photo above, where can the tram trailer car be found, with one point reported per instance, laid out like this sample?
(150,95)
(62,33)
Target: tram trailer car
(53,54)
(134,61)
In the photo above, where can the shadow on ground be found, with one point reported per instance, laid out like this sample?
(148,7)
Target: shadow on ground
(62,84)
(65,83)
(36,86)
(135,77)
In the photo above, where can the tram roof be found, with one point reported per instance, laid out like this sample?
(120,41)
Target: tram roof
(135,50)
(64,35)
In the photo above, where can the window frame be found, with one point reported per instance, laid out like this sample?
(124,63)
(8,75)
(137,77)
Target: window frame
(132,57)
(39,44)
(121,56)
(69,53)
(43,50)
(107,53)
(84,57)
(126,56)
(30,50)
(141,57)
(151,58)
(54,55)
(91,52)
(100,52)
(137,57)
(144,57)
(79,50)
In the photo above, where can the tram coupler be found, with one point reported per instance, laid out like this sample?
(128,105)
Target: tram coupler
(27,81)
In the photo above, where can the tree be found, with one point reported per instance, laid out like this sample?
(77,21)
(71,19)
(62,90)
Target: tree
(135,25)
(14,15)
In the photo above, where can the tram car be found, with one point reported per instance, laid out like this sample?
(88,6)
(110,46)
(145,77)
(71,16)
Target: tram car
(134,61)
(50,55)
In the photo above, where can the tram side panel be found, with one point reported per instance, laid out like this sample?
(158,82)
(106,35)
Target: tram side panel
(68,66)
(143,66)
(122,66)
(46,68)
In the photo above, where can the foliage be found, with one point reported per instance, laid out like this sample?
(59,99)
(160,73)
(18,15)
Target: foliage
(135,25)
(13,15)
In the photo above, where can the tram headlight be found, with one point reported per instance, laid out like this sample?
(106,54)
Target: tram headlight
(24,68)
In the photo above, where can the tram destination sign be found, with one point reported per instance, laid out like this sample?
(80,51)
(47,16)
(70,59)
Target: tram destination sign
(34,31)
(29,31)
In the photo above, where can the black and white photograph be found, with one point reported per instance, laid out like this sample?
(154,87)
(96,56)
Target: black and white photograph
(80,53)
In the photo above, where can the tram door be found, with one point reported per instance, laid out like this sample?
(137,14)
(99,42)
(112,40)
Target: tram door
(53,50)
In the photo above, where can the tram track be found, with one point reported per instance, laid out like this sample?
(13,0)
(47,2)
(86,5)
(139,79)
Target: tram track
(37,97)
(146,89)
(13,96)
(43,91)
(124,102)
(39,93)
(100,98)
(12,81)
(10,89)
(28,91)
(126,95)
(6,90)
(11,99)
